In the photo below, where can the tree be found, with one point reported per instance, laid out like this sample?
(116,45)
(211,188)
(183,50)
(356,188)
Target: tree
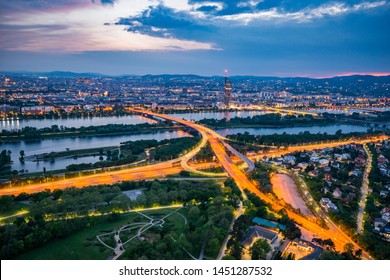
(330,255)
(5,157)
(193,214)
(348,248)
(21,155)
(260,249)
(292,231)
(230,258)
(6,202)
(358,253)
(113,217)
(184,173)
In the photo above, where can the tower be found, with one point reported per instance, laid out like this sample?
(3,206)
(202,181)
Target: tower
(227,95)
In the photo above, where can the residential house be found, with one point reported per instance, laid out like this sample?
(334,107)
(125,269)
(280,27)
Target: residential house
(323,162)
(385,210)
(337,193)
(302,245)
(379,222)
(330,207)
(386,217)
(303,165)
(325,190)
(384,193)
(325,201)
(328,177)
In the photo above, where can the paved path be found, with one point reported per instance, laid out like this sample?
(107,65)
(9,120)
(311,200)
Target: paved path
(364,191)
(14,215)
(238,213)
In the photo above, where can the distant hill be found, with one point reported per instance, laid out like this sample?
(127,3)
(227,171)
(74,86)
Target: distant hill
(67,74)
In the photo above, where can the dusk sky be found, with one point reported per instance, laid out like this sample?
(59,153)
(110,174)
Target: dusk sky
(257,37)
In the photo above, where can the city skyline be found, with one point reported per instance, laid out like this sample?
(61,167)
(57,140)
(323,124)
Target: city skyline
(264,38)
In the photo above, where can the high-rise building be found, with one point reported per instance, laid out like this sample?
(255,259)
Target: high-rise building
(228,92)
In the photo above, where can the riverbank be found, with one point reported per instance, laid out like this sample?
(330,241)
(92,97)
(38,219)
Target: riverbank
(284,125)
(70,153)
(79,133)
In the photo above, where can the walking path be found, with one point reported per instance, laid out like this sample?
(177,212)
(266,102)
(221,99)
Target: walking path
(364,191)
(118,250)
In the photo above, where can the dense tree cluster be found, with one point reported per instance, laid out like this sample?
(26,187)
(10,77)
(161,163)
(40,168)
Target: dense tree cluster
(261,175)
(5,157)
(59,131)
(205,154)
(285,139)
(267,119)
(292,230)
(240,228)
(139,146)
(22,235)
(260,249)
(209,215)
(172,148)
(101,164)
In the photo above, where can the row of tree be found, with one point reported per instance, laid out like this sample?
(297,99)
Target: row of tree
(267,120)
(294,139)
(55,130)
(5,158)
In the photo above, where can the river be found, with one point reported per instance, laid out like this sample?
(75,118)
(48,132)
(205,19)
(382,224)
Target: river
(217,115)
(14,124)
(73,143)
(9,124)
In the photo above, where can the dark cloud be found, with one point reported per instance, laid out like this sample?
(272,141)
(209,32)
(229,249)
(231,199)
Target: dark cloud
(162,21)
(247,6)
(229,7)
(109,2)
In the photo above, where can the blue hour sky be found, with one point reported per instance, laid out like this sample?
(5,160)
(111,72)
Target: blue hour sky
(258,37)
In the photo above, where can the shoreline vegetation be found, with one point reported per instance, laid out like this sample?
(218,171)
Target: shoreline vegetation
(56,131)
(276,120)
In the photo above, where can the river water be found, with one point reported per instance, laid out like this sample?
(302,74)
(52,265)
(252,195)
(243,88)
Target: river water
(9,124)
(73,122)
(73,143)
(217,115)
